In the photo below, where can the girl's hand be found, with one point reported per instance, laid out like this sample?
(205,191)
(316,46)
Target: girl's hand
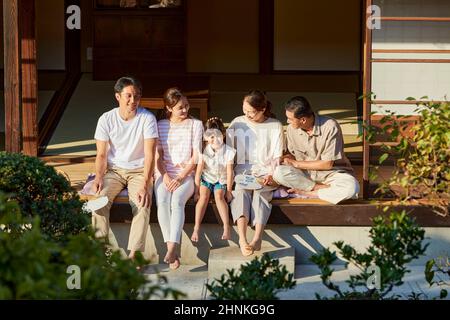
(196,196)
(229,196)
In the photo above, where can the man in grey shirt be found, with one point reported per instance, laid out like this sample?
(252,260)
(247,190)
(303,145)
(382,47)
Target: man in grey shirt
(316,165)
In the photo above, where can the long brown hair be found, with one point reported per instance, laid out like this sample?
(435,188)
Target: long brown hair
(258,100)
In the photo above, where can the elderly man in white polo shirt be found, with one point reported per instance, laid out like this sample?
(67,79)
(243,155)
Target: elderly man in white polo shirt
(316,165)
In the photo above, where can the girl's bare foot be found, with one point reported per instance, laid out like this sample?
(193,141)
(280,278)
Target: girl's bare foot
(194,237)
(226,234)
(256,245)
(246,249)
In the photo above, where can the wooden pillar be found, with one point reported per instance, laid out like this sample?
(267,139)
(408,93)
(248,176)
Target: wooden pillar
(11,75)
(367,89)
(266,34)
(29,77)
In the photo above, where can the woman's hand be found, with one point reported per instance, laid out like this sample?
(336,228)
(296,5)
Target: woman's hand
(175,183)
(268,181)
(167,179)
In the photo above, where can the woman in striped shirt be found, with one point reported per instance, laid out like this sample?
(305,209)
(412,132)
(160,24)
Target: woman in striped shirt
(179,145)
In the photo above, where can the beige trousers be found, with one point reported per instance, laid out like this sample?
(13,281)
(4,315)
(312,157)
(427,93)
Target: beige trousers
(343,185)
(114,181)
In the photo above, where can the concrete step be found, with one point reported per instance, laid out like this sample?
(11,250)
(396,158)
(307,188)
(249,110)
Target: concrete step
(221,259)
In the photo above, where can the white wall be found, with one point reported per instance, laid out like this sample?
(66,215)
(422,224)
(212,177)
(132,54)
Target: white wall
(317,35)
(397,81)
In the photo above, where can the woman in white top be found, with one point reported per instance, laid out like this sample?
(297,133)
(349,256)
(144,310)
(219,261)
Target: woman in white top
(258,139)
(179,144)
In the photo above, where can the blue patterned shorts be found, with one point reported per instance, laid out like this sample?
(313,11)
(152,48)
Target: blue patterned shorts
(213,186)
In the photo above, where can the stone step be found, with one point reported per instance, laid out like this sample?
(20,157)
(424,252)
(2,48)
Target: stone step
(221,259)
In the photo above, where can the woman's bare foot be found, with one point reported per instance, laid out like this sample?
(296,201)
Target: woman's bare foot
(246,249)
(226,234)
(166,258)
(170,257)
(175,264)
(256,245)
(194,237)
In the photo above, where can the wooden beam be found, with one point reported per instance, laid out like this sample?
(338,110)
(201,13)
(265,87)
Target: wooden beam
(409,19)
(12,76)
(437,51)
(350,213)
(367,89)
(29,77)
(411,60)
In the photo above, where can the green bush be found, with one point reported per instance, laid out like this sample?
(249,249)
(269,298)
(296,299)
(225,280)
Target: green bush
(395,241)
(422,168)
(260,279)
(437,273)
(41,191)
(35,267)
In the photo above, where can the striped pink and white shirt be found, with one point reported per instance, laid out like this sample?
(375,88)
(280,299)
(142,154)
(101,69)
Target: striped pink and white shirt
(178,142)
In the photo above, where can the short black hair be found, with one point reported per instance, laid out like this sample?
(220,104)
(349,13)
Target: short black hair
(299,106)
(126,82)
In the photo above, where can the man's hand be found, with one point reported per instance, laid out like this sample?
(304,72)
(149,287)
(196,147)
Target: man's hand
(289,162)
(143,198)
(97,186)
(287,156)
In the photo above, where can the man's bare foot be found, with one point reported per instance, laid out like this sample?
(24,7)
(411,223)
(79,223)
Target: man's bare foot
(256,245)
(246,249)
(319,186)
(175,264)
(194,237)
(226,234)
(309,194)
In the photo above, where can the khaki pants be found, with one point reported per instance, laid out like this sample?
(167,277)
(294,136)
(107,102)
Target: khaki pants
(343,185)
(114,181)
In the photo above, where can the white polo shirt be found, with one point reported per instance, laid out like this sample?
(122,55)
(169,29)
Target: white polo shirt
(215,163)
